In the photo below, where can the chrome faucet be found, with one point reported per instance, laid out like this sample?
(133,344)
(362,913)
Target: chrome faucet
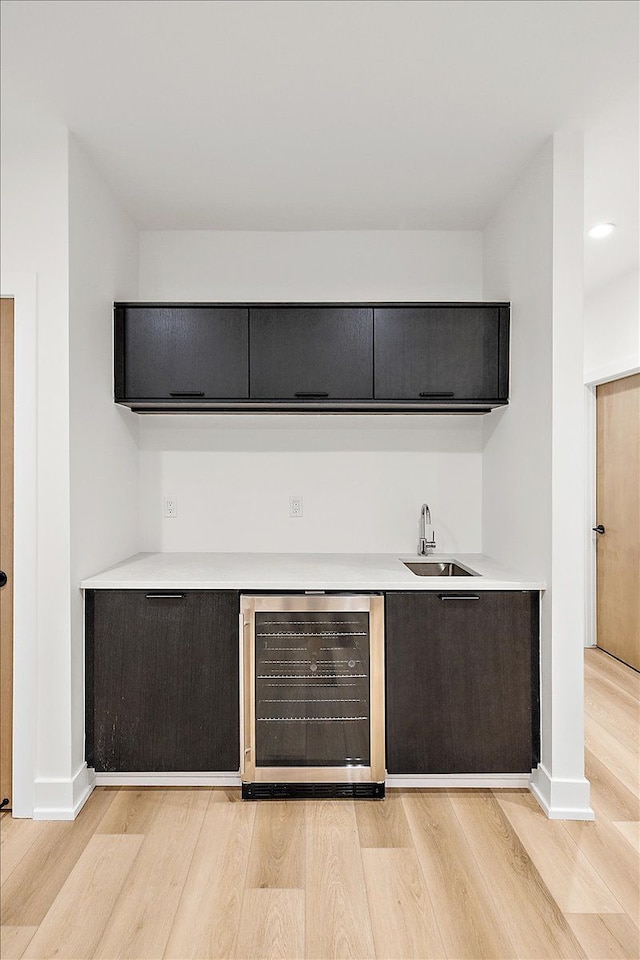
(426,545)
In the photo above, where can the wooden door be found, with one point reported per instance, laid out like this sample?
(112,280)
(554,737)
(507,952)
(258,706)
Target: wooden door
(6,549)
(311,353)
(618,510)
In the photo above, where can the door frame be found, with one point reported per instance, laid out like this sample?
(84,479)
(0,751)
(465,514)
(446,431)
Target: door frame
(22,289)
(593,378)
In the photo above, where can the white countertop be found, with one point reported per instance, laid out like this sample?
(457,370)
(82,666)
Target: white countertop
(300,571)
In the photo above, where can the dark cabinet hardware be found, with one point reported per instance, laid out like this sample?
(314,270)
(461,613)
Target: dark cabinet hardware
(3,578)
(433,394)
(186,393)
(599,529)
(300,393)
(457,596)
(164,596)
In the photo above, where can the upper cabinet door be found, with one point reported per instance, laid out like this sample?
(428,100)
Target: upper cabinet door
(308,353)
(181,353)
(441,353)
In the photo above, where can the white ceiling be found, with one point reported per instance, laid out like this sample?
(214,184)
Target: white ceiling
(333,114)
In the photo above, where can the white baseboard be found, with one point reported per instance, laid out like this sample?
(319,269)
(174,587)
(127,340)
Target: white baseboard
(63,798)
(224,779)
(562,799)
(232,779)
(491,781)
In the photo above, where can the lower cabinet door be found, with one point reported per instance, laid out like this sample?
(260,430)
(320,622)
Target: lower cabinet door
(462,682)
(162,680)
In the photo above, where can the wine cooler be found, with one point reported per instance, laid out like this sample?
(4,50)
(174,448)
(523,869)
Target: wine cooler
(312,696)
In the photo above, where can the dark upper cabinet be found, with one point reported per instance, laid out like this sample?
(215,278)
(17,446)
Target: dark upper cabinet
(311,353)
(162,680)
(431,353)
(429,357)
(181,353)
(462,682)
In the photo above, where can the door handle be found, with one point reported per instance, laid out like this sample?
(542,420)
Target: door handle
(3,578)
(599,529)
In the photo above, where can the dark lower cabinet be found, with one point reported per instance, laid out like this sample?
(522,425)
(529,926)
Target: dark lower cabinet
(162,680)
(462,682)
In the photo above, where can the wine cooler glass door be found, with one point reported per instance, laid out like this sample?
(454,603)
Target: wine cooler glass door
(312,689)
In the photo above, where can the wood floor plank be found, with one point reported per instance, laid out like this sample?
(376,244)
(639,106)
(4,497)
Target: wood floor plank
(207,921)
(613,709)
(277,856)
(630,831)
(337,918)
(620,759)
(609,797)
(225,795)
(37,879)
(531,917)
(142,918)
(383,824)
(571,879)
(14,941)
(16,837)
(619,673)
(133,810)
(272,925)
(614,859)
(609,936)
(80,913)
(469,924)
(402,916)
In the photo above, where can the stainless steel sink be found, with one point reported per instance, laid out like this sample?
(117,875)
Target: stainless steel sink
(435,568)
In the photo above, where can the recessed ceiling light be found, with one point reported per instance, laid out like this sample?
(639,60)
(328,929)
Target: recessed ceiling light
(602,230)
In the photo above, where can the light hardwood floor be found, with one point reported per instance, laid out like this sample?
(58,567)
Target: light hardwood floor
(194,873)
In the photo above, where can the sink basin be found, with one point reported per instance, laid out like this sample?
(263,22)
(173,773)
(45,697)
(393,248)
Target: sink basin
(436,568)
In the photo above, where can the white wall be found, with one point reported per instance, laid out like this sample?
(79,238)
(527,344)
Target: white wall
(103,267)
(35,242)
(61,227)
(533,464)
(612,329)
(364,478)
(362,482)
(321,265)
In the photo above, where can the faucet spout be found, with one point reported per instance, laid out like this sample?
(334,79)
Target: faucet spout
(427,541)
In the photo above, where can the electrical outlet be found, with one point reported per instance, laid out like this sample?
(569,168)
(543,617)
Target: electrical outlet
(171,507)
(295,506)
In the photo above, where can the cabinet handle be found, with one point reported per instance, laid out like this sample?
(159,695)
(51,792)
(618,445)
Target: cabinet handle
(303,394)
(164,596)
(456,596)
(433,393)
(186,393)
